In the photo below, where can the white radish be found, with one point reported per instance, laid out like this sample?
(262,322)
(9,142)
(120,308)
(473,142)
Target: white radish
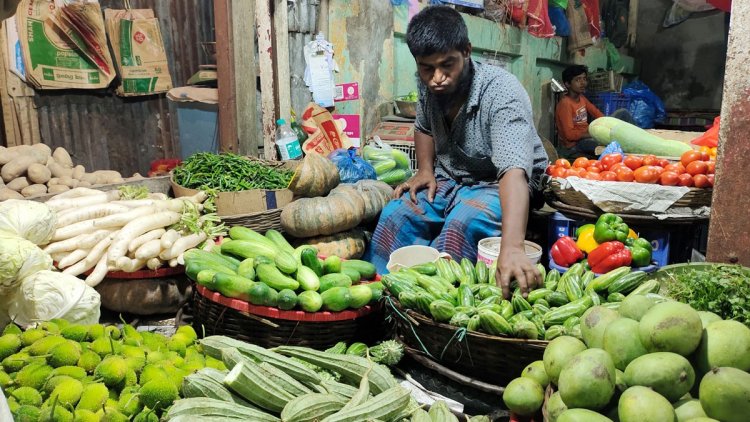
(173,262)
(100,271)
(110,221)
(148,250)
(57,256)
(184,243)
(82,241)
(89,213)
(209,245)
(145,237)
(169,238)
(153,263)
(158,195)
(130,265)
(93,257)
(198,198)
(72,258)
(101,198)
(136,228)
(76,193)
(181,259)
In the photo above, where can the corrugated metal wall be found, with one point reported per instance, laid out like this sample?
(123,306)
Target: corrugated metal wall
(103,131)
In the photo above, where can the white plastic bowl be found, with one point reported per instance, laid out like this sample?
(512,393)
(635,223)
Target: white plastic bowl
(489,250)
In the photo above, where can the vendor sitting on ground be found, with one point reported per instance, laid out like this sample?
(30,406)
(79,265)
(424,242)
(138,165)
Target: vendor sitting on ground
(572,116)
(479,157)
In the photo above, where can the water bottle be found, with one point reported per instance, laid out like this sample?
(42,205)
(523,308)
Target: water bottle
(287,142)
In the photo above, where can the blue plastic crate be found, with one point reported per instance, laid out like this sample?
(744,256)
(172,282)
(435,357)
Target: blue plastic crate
(560,226)
(609,102)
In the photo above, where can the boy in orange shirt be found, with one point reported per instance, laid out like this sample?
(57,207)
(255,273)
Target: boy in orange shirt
(572,115)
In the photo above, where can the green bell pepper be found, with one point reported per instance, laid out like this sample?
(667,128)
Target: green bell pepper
(584,228)
(641,251)
(610,227)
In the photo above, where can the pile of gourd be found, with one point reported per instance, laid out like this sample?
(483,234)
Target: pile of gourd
(326,213)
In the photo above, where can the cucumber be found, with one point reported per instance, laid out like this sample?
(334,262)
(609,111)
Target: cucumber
(332,264)
(364,268)
(262,295)
(192,268)
(287,299)
(271,276)
(244,233)
(336,298)
(232,286)
(279,240)
(310,301)
(352,274)
(309,258)
(248,249)
(307,279)
(285,262)
(247,269)
(330,281)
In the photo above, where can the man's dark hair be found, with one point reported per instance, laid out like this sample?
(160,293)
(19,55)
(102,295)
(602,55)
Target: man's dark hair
(436,29)
(571,72)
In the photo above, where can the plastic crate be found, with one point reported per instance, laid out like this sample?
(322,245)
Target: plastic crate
(560,226)
(408,148)
(607,81)
(609,102)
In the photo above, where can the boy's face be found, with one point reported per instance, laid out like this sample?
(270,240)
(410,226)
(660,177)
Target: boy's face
(442,72)
(578,84)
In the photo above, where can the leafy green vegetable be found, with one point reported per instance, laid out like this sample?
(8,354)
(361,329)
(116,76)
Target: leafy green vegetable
(133,192)
(721,289)
(229,172)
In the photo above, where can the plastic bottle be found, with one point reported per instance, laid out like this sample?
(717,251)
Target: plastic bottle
(287,142)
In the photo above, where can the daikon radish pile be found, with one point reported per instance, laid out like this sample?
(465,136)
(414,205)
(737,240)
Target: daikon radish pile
(128,229)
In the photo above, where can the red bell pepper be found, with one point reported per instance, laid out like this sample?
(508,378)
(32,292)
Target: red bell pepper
(608,256)
(565,252)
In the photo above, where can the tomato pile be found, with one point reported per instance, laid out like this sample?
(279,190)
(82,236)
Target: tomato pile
(695,169)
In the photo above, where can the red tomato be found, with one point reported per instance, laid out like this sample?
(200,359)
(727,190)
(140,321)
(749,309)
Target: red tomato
(593,169)
(592,176)
(705,156)
(650,160)
(689,156)
(561,162)
(597,164)
(711,179)
(625,174)
(701,181)
(609,176)
(647,174)
(675,167)
(710,167)
(581,162)
(669,178)
(685,180)
(571,173)
(559,172)
(696,167)
(663,162)
(633,161)
(617,166)
(611,159)
(550,169)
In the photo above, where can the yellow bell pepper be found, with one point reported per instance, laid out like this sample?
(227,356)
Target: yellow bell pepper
(586,240)
(632,234)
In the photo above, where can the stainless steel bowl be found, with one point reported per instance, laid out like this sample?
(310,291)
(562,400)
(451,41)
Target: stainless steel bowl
(407,108)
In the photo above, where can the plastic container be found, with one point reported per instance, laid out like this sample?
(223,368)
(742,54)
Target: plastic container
(489,249)
(413,255)
(287,142)
(560,226)
(650,269)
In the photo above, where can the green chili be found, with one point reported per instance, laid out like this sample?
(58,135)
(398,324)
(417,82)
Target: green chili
(229,172)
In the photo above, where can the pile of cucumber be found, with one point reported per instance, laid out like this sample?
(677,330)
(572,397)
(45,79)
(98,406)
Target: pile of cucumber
(266,270)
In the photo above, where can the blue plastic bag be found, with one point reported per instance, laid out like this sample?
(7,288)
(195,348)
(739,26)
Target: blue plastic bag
(612,148)
(645,106)
(352,168)
(559,20)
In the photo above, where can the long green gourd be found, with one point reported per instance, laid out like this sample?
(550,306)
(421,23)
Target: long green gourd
(633,139)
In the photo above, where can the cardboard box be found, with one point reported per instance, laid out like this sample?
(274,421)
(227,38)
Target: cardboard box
(394,131)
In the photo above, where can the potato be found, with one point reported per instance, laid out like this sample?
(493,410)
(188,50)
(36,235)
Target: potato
(34,190)
(38,173)
(78,171)
(17,184)
(84,184)
(89,177)
(105,177)
(136,176)
(62,157)
(57,189)
(6,193)
(42,149)
(19,166)
(9,154)
(53,181)
(58,170)
(68,181)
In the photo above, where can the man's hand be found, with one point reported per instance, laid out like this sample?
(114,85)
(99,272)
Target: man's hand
(419,181)
(513,264)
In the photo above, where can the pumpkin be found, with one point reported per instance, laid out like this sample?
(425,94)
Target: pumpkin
(308,217)
(375,193)
(316,176)
(348,245)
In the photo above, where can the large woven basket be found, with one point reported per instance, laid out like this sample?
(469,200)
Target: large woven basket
(258,221)
(493,359)
(214,314)
(694,198)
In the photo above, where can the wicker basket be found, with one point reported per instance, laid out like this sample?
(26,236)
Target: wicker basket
(493,359)
(271,327)
(694,198)
(258,221)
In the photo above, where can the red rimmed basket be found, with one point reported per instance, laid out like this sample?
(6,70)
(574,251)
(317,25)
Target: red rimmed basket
(492,359)
(214,314)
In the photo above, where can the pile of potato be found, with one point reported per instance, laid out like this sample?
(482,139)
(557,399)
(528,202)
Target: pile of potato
(33,170)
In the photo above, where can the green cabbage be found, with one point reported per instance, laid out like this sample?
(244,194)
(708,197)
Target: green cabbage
(47,295)
(31,220)
(19,258)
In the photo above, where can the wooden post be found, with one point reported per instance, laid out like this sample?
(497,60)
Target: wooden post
(633,23)
(265,53)
(323,18)
(226,76)
(729,233)
(246,78)
(283,78)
